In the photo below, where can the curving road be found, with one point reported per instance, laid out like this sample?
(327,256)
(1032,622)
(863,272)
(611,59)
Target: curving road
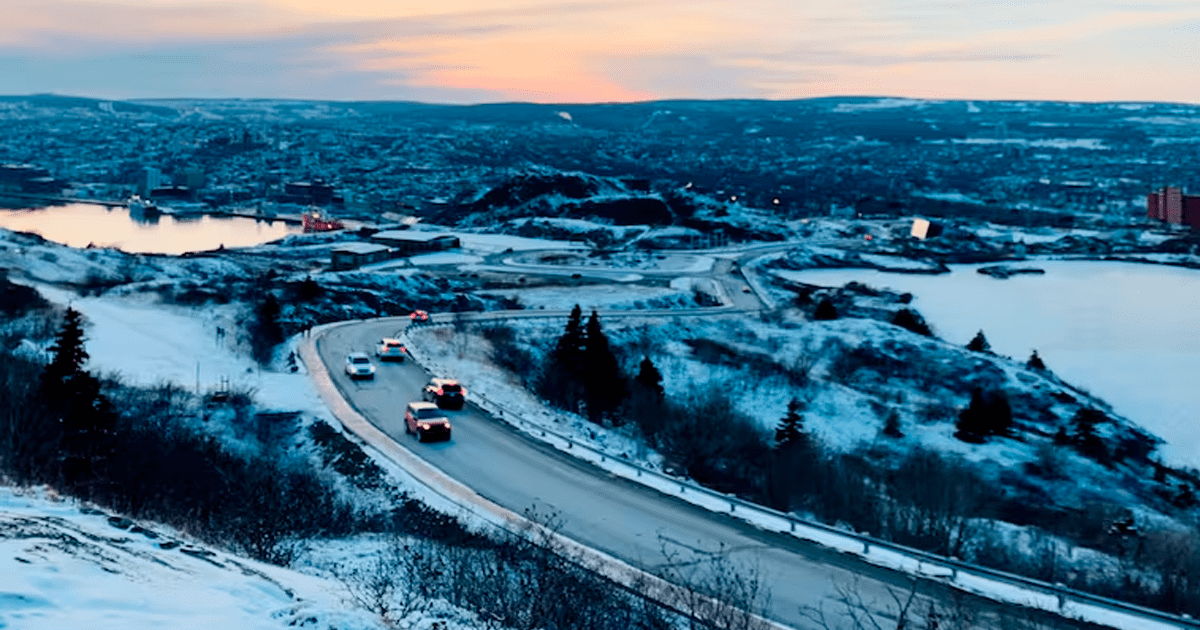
(613,515)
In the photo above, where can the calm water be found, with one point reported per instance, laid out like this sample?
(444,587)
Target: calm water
(1129,333)
(78,225)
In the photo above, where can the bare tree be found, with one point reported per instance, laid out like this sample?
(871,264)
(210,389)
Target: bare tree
(714,591)
(378,583)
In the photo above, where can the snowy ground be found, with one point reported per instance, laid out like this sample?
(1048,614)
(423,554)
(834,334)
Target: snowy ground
(63,565)
(148,343)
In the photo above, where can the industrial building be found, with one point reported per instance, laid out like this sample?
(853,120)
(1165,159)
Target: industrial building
(410,242)
(354,255)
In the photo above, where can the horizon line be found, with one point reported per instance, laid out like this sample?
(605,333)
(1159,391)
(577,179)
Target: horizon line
(565,103)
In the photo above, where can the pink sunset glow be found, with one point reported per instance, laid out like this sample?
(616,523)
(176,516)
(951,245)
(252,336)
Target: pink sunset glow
(464,51)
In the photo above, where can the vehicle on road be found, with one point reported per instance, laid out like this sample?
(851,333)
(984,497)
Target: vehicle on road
(446,393)
(390,350)
(419,317)
(426,421)
(358,365)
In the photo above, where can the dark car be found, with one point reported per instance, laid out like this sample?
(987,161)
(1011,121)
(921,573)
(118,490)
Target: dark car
(426,421)
(446,393)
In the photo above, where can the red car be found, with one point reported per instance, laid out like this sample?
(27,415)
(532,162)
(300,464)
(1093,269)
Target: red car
(419,317)
(426,421)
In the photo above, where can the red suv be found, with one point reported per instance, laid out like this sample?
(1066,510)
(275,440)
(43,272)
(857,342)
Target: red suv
(425,420)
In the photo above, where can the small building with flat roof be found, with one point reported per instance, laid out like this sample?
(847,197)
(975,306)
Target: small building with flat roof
(408,242)
(354,255)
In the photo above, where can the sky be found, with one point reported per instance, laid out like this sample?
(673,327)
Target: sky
(577,51)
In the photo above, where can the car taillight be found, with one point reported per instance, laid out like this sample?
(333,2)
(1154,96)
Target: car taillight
(439,392)
(424,426)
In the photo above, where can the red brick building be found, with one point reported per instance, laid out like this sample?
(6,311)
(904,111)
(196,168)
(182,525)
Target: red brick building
(1169,204)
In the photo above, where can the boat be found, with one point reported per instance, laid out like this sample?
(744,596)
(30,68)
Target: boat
(314,222)
(141,208)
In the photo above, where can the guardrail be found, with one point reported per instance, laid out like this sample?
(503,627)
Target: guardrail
(993,584)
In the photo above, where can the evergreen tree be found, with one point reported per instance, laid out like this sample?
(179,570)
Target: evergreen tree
(790,434)
(1084,437)
(792,460)
(891,425)
(986,415)
(646,405)
(265,330)
(1035,362)
(308,290)
(563,377)
(979,343)
(604,384)
(650,379)
(68,352)
(85,417)
(825,310)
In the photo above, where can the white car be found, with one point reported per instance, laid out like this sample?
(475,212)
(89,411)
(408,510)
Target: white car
(358,365)
(390,349)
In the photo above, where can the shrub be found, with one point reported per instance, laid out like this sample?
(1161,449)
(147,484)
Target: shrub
(18,299)
(986,415)
(912,321)
(891,425)
(825,310)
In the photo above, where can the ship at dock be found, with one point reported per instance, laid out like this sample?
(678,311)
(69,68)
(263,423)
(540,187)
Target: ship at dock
(314,221)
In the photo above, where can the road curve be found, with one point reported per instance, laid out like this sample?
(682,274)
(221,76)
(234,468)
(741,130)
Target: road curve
(615,516)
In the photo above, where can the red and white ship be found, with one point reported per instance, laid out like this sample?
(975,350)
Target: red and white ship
(314,222)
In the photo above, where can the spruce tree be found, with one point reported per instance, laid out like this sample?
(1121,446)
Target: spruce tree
(1035,362)
(792,460)
(979,343)
(68,352)
(603,382)
(650,379)
(1084,437)
(970,425)
(85,416)
(790,434)
(563,377)
(986,415)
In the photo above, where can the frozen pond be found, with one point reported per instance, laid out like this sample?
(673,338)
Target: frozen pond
(1129,333)
(79,225)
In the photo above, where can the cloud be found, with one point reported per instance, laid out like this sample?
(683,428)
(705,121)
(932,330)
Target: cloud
(587,50)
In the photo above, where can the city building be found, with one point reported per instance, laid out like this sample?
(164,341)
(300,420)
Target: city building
(1170,205)
(307,193)
(150,179)
(22,177)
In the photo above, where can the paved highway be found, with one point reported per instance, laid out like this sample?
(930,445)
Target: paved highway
(621,518)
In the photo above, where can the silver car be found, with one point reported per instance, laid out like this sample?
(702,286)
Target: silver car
(358,365)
